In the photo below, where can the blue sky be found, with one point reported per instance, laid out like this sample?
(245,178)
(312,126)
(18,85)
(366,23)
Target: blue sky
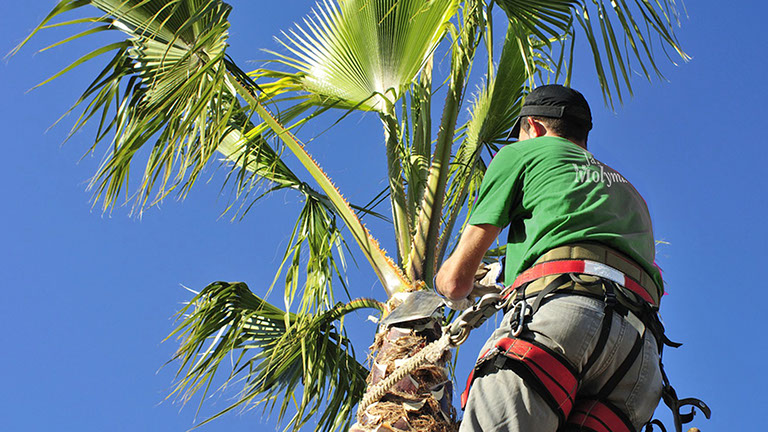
(88,297)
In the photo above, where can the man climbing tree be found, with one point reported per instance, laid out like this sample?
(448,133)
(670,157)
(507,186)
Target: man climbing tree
(172,99)
(579,343)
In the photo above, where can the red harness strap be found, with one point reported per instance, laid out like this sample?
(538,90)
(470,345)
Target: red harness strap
(554,377)
(584,267)
(595,416)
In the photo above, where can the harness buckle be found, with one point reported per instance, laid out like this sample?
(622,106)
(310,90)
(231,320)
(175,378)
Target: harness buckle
(610,295)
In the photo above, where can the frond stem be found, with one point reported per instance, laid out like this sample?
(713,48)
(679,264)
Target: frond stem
(390,276)
(423,258)
(400,214)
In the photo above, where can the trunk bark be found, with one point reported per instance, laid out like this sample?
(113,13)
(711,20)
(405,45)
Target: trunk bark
(422,401)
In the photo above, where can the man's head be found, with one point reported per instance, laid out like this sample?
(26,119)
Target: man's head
(554,110)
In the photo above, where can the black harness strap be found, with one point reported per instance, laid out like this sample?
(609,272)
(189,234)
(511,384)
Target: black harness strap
(550,288)
(605,327)
(622,370)
(675,404)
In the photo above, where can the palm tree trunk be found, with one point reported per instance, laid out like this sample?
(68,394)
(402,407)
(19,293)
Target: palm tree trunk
(422,401)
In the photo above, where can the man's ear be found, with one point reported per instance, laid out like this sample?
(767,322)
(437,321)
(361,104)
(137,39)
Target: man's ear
(537,129)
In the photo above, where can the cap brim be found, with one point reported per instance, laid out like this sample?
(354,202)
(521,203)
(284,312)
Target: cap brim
(514,133)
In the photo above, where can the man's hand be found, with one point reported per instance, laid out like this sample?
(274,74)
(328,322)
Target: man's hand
(456,277)
(458,305)
(487,280)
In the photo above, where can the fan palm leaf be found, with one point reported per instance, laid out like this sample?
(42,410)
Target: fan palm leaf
(274,352)
(619,33)
(365,53)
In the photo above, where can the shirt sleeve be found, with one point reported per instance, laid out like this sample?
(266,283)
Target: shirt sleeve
(499,190)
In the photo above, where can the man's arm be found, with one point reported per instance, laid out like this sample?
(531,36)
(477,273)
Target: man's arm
(457,275)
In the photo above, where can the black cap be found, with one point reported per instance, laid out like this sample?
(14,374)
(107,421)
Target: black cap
(554,101)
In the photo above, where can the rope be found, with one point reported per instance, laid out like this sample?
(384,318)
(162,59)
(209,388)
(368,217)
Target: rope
(429,354)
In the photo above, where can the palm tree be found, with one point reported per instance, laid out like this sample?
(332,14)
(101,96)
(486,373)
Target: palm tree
(171,87)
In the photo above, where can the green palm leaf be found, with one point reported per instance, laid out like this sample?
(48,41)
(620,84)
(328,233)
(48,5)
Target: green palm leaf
(615,36)
(275,354)
(172,88)
(493,114)
(165,87)
(365,53)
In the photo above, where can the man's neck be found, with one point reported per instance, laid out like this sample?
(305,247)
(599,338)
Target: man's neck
(582,144)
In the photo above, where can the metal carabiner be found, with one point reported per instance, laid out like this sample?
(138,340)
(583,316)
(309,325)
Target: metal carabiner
(521,308)
(487,300)
(461,335)
(458,329)
(473,317)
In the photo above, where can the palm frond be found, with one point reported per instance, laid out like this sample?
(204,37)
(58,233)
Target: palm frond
(492,115)
(317,230)
(423,260)
(619,33)
(365,53)
(275,355)
(165,88)
(544,19)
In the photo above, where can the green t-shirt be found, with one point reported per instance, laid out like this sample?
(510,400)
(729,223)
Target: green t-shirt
(552,192)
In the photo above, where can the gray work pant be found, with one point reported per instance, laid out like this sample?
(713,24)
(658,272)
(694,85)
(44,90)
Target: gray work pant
(568,324)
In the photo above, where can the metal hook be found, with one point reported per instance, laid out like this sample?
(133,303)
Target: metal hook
(521,309)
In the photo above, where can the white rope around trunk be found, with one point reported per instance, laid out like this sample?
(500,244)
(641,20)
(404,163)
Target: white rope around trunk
(429,354)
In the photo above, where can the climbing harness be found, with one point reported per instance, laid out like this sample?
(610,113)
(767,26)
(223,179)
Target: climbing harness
(601,416)
(549,373)
(626,290)
(545,370)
